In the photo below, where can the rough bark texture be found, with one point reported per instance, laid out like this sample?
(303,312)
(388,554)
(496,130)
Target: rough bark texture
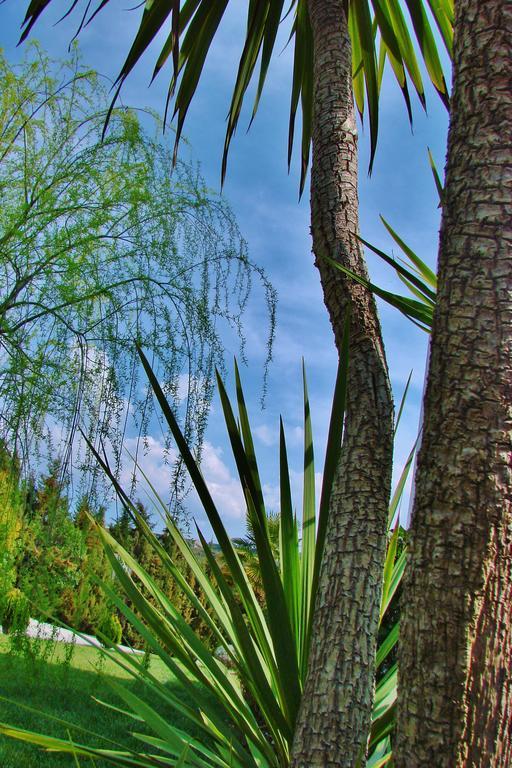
(455,694)
(335,713)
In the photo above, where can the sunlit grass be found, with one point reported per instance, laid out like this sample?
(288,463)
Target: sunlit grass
(65,691)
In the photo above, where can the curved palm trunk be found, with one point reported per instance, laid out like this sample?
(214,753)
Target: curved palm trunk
(455,695)
(335,712)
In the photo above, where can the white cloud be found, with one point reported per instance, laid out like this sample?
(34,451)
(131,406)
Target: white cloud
(266,435)
(212,465)
(153,459)
(224,486)
(156,463)
(295,435)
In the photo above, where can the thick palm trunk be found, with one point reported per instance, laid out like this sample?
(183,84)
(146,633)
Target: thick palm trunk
(455,694)
(335,713)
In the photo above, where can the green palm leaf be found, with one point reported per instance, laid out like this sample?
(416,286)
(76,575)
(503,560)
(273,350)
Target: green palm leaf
(245,713)
(378,30)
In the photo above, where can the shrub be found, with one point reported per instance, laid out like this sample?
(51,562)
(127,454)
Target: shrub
(110,629)
(11,519)
(50,569)
(15,612)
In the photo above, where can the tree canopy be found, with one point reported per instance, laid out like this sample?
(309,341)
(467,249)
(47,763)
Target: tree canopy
(102,245)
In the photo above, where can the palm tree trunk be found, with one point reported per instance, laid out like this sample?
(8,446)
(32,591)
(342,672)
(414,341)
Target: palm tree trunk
(455,694)
(335,713)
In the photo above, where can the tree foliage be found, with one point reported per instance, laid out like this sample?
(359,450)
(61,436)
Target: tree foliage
(103,244)
(53,556)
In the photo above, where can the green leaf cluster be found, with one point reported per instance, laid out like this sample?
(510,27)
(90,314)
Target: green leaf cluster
(52,560)
(55,563)
(15,612)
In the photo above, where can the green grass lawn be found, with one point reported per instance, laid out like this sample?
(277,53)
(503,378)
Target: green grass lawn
(65,691)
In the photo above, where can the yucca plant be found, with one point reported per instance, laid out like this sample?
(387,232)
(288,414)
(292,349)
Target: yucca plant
(245,705)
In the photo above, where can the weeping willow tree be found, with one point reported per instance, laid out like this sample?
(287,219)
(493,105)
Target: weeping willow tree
(104,244)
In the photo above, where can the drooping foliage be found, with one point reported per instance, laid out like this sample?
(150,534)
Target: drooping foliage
(102,243)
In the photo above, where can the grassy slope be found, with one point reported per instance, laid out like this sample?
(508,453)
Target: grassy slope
(65,691)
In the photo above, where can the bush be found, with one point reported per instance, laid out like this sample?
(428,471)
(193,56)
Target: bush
(15,612)
(11,519)
(110,629)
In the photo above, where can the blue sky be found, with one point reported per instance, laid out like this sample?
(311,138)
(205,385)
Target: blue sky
(264,198)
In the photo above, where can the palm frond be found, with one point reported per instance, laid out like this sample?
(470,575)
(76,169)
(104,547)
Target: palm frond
(378,29)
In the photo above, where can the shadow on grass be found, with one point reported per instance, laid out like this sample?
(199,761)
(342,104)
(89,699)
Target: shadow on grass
(66,691)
